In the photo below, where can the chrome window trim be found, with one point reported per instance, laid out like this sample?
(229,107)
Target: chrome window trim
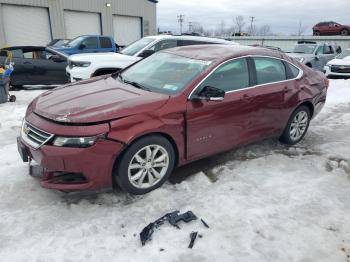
(301,73)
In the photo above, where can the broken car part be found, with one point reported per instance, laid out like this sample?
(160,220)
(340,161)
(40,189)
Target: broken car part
(193,237)
(173,218)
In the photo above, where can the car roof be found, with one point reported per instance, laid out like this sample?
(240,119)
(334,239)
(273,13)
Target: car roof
(221,52)
(195,38)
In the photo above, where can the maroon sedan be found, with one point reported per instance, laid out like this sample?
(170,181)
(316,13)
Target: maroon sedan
(176,106)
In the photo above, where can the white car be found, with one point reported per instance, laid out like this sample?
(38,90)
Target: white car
(84,66)
(339,67)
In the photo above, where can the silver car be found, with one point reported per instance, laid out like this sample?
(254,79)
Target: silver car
(313,54)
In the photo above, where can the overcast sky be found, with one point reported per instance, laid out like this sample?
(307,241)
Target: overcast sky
(282,15)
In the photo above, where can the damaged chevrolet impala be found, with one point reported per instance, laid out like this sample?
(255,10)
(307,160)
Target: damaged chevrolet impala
(133,128)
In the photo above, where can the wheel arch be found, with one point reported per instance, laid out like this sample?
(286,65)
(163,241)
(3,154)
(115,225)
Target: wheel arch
(108,70)
(309,105)
(137,138)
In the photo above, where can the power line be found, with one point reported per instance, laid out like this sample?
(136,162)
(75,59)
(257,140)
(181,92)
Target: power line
(180,19)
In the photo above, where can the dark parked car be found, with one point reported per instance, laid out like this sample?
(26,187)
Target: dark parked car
(36,65)
(331,28)
(174,107)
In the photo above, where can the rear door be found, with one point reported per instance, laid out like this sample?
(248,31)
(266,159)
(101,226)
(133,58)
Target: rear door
(217,126)
(272,91)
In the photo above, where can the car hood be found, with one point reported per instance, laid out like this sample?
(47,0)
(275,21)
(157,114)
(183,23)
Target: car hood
(344,62)
(101,57)
(95,100)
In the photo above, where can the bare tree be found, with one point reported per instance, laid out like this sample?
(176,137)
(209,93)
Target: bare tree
(239,24)
(301,28)
(197,28)
(264,30)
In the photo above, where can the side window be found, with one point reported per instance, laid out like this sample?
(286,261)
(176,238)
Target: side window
(164,44)
(90,42)
(233,75)
(292,71)
(269,70)
(319,50)
(328,50)
(105,42)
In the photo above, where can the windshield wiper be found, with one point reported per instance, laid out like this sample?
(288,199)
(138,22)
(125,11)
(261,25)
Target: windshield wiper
(133,83)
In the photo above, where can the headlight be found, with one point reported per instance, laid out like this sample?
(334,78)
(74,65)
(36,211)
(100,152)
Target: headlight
(81,142)
(80,64)
(301,59)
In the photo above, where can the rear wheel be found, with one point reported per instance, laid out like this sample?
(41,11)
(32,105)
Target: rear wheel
(145,165)
(297,126)
(344,32)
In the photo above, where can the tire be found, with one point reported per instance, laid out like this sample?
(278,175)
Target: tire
(308,65)
(317,33)
(298,121)
(344,32)
(136,172)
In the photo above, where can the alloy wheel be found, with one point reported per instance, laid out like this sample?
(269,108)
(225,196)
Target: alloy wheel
(298,125)
(148,166)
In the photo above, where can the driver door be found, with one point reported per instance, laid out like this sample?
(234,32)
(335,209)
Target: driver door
(215,126)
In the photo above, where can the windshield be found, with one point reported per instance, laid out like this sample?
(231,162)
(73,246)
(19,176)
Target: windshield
(344,54)
(304,49)
(163,73)
(74,42)
(135,47)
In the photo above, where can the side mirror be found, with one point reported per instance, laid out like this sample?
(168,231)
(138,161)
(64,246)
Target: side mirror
(211,93)
(82,46)
(146,53)
(57,58)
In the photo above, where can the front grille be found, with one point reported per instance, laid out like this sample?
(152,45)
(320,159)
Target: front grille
(34,136)
(340,69)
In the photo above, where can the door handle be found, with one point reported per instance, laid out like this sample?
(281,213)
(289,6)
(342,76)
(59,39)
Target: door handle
(27,63)
(247,98)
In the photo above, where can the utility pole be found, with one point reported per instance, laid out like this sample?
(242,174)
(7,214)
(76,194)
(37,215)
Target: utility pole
(180,19)
(252,20)
(190,26)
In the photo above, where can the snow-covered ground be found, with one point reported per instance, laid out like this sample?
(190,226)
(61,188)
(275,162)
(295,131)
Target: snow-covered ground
(263,202)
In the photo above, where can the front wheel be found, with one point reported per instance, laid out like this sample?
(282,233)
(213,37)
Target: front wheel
(145,165)
(317,33)
(297,126)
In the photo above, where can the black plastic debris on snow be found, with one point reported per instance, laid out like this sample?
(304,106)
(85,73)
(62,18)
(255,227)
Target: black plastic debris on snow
(173,218)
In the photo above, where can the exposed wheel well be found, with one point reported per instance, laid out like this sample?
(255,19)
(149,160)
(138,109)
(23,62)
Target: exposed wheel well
(105,71)
(309,65)
(308,105)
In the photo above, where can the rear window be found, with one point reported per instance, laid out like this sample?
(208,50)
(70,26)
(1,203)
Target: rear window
(269,70)
(292,71)
(105,42)
(192,42)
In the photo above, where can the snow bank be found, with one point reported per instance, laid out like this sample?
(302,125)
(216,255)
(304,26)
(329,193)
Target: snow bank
(263,202)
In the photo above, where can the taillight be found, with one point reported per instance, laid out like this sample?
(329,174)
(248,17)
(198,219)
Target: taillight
(326,82)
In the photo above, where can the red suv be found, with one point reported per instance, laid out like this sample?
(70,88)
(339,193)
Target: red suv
(174,107)
(331,28)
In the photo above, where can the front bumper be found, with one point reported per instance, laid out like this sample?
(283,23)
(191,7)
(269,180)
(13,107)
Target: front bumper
(72,169)
(79,73)
(330,74)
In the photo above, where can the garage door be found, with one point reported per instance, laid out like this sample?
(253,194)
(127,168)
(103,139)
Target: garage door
(127,29)
(26,25)
(82,23)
